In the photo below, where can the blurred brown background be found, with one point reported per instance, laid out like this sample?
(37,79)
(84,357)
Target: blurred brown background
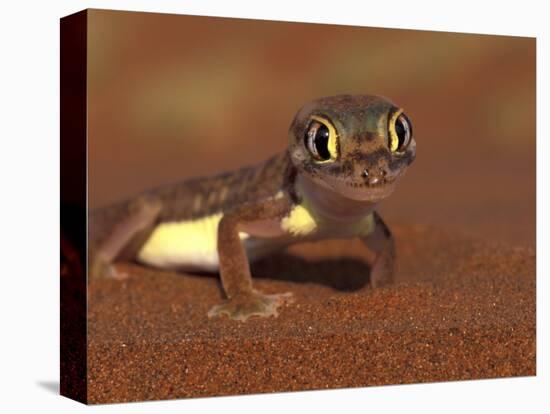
(174,96)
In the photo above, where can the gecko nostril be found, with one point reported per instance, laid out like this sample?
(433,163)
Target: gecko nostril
(365,173)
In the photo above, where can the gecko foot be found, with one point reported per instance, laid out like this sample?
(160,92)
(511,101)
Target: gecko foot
(101,269)
(243,306)
(113,273)
(381,275)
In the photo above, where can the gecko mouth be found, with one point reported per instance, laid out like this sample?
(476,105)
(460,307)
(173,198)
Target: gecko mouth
(366,184)
(361,190)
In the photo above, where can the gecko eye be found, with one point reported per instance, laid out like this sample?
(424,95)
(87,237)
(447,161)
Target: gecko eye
(400,132)
(321,140)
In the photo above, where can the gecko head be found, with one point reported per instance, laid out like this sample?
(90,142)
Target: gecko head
(355,145)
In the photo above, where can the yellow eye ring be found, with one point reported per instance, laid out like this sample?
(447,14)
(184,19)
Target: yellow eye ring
(400,132)
(321,140)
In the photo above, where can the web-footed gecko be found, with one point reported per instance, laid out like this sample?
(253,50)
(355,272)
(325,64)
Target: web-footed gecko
(345,154)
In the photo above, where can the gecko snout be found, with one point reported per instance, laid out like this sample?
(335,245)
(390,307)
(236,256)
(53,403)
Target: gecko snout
(374,176)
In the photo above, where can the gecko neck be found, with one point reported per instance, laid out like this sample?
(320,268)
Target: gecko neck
(329,204)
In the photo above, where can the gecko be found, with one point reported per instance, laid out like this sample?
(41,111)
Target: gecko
(345,154)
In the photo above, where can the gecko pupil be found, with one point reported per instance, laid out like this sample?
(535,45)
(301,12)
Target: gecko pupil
(400,131)
(403,131)
(321,142)
(317,139)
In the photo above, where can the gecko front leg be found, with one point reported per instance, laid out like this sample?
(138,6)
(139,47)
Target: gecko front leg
(243,301)
(381,242)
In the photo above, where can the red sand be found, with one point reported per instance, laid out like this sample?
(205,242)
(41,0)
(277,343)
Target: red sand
(460,309)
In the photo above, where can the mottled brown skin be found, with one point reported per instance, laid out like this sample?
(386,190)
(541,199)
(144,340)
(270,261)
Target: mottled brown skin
(118,231)
(347,188)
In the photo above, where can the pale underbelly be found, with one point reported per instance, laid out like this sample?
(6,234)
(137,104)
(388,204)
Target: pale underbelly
(193,245)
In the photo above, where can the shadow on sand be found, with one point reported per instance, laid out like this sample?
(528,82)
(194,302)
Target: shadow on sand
(345,274)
